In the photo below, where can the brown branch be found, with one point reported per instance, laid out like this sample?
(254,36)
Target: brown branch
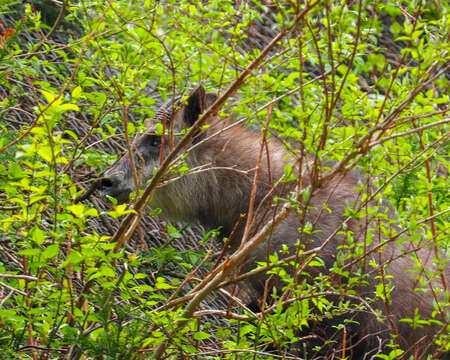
(24,277)
(57,21)
(251,206)
(13,289)
(221,313)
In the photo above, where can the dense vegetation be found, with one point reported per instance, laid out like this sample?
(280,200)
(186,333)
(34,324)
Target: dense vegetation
(356,83)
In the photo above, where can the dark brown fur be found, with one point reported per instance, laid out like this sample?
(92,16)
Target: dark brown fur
(216,198)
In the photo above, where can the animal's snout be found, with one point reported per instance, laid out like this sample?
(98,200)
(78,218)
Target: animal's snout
(114,186)
(107,184)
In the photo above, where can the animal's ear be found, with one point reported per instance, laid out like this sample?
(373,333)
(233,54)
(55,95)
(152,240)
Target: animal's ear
(196,104)
(210,98)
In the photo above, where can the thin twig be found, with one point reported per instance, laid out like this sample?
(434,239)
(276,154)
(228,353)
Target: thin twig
(14,276)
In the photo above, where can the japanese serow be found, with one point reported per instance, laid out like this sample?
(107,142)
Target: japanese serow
(218,190)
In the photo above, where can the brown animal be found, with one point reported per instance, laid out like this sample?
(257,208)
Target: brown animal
(220,191)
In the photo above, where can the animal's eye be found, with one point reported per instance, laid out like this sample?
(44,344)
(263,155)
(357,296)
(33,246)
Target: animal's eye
(152,141)
(155,140)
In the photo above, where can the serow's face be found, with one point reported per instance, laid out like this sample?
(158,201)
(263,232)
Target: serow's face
(148,149)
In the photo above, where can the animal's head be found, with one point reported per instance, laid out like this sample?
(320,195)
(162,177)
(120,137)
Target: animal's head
(149,147)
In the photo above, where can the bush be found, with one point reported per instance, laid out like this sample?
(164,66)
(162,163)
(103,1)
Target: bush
(360,84)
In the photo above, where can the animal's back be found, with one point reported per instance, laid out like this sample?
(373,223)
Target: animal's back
(360,245)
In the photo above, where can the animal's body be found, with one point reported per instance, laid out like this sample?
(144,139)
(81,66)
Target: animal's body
(217,197)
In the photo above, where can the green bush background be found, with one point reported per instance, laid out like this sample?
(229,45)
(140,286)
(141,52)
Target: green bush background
(72,87)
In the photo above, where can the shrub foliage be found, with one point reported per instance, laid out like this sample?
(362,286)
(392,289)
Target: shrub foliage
(356,83)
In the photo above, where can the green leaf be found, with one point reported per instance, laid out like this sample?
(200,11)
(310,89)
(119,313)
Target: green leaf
(29,252)
(161,284)
(45,152)
(65,107)
(77,92)
(38,235)
(173,232)
(77,209)
(50,251)
(48,96)
(159,129)
(15,171)
(120,210)
(91,212)
(73,258)
(107,271)
(200,335)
